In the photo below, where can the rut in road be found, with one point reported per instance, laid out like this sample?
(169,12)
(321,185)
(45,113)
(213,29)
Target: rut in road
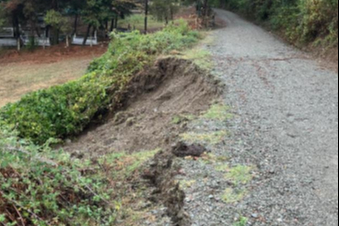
(286,123)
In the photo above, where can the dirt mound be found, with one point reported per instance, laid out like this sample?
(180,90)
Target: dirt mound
(171,88)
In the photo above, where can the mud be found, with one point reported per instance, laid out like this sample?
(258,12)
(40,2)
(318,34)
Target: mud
(172,87)
(161,174)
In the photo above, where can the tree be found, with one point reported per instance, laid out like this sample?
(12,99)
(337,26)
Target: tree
(164,10)
(2,17)
(58,22)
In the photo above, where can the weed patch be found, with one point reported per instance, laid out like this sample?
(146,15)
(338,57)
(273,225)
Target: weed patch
(200,57)
(233,195)
(239,174)
(241,222)
(218,112)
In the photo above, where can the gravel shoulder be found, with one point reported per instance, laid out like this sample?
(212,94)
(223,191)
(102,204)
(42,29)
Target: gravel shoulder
(284,128)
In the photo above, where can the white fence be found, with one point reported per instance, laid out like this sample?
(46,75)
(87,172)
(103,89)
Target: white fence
(91,41)
(38,41)
(7,32)
(7,39)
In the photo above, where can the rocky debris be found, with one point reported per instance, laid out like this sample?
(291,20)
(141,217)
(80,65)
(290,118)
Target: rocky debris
(181,149)
(162,174)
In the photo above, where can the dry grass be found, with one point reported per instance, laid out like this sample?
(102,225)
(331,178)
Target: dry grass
(17,79)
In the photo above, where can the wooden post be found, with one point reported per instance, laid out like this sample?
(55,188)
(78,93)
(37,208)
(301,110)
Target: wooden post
(18,44)
(146,16)
(67,41)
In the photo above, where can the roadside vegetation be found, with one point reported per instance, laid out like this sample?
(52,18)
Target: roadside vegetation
(300,21)
(69,108)
(44,187)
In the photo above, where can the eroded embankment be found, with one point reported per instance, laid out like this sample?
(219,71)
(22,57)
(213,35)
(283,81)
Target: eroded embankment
(172,91)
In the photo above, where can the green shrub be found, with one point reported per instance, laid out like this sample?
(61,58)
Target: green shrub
(67,109)
(40,186)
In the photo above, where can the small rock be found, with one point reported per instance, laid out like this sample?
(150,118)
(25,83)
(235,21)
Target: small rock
(255,215)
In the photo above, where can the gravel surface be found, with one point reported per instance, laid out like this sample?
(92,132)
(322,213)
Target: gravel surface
(285,127)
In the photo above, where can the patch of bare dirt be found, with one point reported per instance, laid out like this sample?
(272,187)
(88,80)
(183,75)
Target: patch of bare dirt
(51,54)
(172,87)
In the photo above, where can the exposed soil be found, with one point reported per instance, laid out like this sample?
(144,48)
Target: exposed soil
(171,88)
(51,54)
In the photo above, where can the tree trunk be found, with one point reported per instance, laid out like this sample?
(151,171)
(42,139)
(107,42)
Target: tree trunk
(172,13)
(106,28)
(55,36)
(87,34)
(146,16)
(67,41)
(112,25)
(16,26)
(75,26)
(37,31)
(205,13)
(116,21)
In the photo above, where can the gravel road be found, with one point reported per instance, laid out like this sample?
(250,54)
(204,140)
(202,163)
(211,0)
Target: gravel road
(286,124)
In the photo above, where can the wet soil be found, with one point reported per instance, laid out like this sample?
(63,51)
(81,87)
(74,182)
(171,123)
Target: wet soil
(173,87)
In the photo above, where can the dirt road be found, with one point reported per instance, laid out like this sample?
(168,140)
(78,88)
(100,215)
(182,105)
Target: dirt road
(288,109)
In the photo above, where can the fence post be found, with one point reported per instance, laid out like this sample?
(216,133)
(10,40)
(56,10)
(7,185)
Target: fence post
(18,44)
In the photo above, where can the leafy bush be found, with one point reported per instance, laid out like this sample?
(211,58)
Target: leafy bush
(67,109)
(58,111)
(42,187)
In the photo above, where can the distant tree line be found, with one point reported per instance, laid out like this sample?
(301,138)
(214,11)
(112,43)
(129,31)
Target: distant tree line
(97,14)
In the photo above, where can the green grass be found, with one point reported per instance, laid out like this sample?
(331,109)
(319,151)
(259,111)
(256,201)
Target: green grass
(137,21)
(241,222)
(239,174)
(126,164)
(200,57)
(231,195)
(218,112)
(222,168)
